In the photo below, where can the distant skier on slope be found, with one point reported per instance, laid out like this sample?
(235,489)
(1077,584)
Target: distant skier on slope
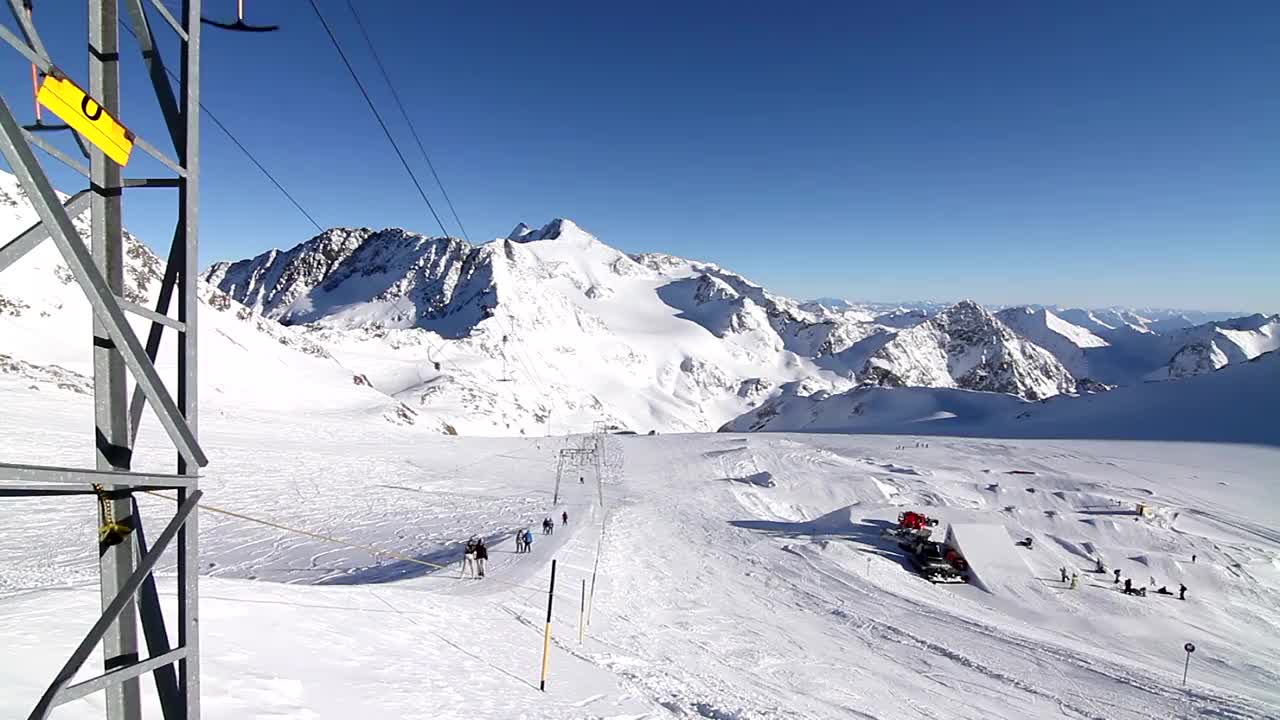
(1117,582)
(482,555)
(519,541)
(564,518)
(528,539)
(1182,591)
(1063,572)
(1128,586)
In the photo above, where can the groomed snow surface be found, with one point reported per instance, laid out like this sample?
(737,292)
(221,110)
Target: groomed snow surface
(719,595)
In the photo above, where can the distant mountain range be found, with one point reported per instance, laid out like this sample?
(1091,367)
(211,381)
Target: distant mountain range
(549,330)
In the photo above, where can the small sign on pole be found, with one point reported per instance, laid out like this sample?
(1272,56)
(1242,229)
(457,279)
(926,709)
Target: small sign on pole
(1190,648)
(83,113)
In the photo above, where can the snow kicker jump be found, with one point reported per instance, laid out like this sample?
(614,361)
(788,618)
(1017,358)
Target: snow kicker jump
(994,561)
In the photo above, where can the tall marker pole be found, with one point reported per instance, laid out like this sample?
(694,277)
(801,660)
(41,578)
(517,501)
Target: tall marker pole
(582,610)
(546,638)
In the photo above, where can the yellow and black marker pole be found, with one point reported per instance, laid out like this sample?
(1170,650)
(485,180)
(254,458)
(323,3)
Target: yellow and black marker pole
(546,638)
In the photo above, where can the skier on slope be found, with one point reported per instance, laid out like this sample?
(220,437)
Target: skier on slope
(1128,586)
(1063,571)
(528,539)
(469,557)
(1182,591)
(519,541)
(482,555)
(1117,582)
(564,518)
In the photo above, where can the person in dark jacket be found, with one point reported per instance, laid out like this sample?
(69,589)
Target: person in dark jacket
(1128,586)
(1117,582)
(1182,591)
(469,557)
(564,518)
(482,555)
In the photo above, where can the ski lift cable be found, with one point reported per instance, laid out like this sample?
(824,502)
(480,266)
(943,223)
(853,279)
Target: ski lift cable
(375,551)
(377,59)
(236,141)
(377,115)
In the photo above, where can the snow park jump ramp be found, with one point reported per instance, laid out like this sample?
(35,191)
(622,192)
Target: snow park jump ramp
(995,564)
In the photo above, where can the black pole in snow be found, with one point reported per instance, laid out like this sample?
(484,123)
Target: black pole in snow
(546,638)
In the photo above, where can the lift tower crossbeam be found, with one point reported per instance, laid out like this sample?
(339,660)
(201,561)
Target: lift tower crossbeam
(129,597)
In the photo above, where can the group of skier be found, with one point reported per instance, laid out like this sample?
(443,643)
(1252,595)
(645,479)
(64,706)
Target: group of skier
(475,553)
(549,525)
(1074,580)
(474,556)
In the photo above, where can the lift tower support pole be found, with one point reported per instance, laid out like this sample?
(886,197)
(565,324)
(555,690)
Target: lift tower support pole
(129,598)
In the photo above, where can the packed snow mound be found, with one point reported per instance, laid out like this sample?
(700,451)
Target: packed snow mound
(995,564)
(1234,404)
(967,347)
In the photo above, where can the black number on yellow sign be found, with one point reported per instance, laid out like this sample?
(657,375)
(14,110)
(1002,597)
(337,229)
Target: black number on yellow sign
(86,116)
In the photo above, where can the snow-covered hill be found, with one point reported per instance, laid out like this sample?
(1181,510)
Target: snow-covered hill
(1205,348)
(249,362)
(1235,404)
(1124,347)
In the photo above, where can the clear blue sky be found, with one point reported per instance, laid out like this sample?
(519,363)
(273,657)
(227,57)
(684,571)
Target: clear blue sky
(1076,153)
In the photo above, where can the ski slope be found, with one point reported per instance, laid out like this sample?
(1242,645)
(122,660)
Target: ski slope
(740,576)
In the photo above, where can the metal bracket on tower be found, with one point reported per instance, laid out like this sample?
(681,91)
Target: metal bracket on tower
(127,585)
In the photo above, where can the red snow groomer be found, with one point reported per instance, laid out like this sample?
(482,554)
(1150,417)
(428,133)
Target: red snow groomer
(912,526)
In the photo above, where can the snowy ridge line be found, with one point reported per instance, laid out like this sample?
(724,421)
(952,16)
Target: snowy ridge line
(327,538)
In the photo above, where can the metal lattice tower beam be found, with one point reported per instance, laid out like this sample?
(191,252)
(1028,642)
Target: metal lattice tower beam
(129,598)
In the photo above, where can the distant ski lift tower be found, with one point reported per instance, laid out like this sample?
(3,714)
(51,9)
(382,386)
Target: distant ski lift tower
(505,377)
(93,115)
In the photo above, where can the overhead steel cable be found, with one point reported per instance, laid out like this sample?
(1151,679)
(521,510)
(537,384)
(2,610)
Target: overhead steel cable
(243,149)
(377,115)
(412,129)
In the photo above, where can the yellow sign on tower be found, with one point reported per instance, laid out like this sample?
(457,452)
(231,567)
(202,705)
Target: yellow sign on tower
(79,110)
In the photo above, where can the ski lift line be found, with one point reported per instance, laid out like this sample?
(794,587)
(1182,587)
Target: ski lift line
(377,115)
(377,59)
(236,141)
(240,25)
(376,552)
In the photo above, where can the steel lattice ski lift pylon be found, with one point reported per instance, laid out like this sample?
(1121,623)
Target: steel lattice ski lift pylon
(129,597)
(240,25)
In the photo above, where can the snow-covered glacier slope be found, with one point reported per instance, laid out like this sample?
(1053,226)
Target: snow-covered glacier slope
(1235,404)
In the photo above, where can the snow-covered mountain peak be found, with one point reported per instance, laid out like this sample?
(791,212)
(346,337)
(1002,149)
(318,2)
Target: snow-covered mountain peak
(966,346)
(556,229)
